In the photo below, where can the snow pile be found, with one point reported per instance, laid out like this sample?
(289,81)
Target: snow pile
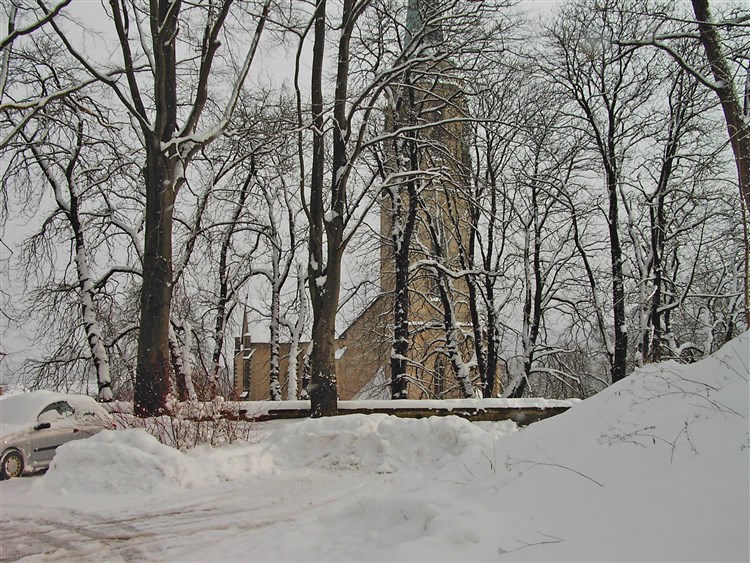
(654,468)
(132,460)
(380,443)
(121,462)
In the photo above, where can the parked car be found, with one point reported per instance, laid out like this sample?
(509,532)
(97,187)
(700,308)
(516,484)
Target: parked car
(33,425)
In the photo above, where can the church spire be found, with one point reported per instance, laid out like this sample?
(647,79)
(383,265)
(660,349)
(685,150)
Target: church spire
(421,21)
(245,325)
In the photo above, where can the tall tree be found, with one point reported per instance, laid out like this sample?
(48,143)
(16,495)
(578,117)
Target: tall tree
(427,174)
(667,32)
(608,83)
(172,134)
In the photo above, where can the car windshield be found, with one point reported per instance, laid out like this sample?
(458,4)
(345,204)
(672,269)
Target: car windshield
(18,410)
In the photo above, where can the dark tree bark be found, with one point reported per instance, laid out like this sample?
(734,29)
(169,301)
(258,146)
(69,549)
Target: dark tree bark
(619,361)
(154,366)
(400,348)
(325,256)
(403,221)
(738,126)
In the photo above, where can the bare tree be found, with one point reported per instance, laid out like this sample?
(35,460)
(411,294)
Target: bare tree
(171,138)
(25,19)
(501,107)
(671,34)
(609,84)
(425,167)
(280,235)
(71,143)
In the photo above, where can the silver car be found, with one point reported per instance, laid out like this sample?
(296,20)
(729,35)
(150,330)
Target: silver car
(33,425)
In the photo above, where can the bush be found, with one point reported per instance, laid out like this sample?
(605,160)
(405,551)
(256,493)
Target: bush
(192,423)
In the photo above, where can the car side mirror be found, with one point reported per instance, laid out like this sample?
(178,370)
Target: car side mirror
(43,426)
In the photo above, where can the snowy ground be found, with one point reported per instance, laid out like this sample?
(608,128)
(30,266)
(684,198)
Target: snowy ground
(654,468)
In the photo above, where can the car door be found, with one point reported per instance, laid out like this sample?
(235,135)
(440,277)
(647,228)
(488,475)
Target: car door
(55,426)
(90,421)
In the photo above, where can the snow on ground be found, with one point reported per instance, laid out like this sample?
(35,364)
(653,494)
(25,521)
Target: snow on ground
(654,468)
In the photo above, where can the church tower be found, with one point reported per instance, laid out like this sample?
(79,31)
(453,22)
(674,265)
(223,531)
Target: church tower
(411,341)
(425,218)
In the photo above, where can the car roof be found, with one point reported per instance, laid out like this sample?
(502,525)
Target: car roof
(23,407)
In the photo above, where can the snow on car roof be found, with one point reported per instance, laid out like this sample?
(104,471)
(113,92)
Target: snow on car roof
(23,408)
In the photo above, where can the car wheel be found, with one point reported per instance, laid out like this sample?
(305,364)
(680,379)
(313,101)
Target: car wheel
(12,465)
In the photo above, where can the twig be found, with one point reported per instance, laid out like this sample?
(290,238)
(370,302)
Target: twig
(513,462)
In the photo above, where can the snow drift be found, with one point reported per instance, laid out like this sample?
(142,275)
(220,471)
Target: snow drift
(653,468)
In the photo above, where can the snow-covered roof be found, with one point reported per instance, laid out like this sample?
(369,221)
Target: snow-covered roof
(22,409)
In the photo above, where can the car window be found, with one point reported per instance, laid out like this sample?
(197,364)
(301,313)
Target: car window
(55,411)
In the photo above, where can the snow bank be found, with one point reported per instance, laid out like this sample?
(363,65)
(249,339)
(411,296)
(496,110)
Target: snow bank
(381,443)
(122,462)
(132,461)
(654,468)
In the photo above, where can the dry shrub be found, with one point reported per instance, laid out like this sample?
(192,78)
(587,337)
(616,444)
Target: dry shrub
(192,423)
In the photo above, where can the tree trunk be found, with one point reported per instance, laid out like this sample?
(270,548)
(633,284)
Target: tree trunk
(491,358)
(402,229)
(275,386)
(219,330)
(88,313)
(296,334)
(461,369)
(653,343)
(153,371)
(321,355)
(487,380)
(323,388)
(153,365)
(619,361)
(532,310)
(322,275)
(400,345)
(304,393)
(182,382)
(737,122)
